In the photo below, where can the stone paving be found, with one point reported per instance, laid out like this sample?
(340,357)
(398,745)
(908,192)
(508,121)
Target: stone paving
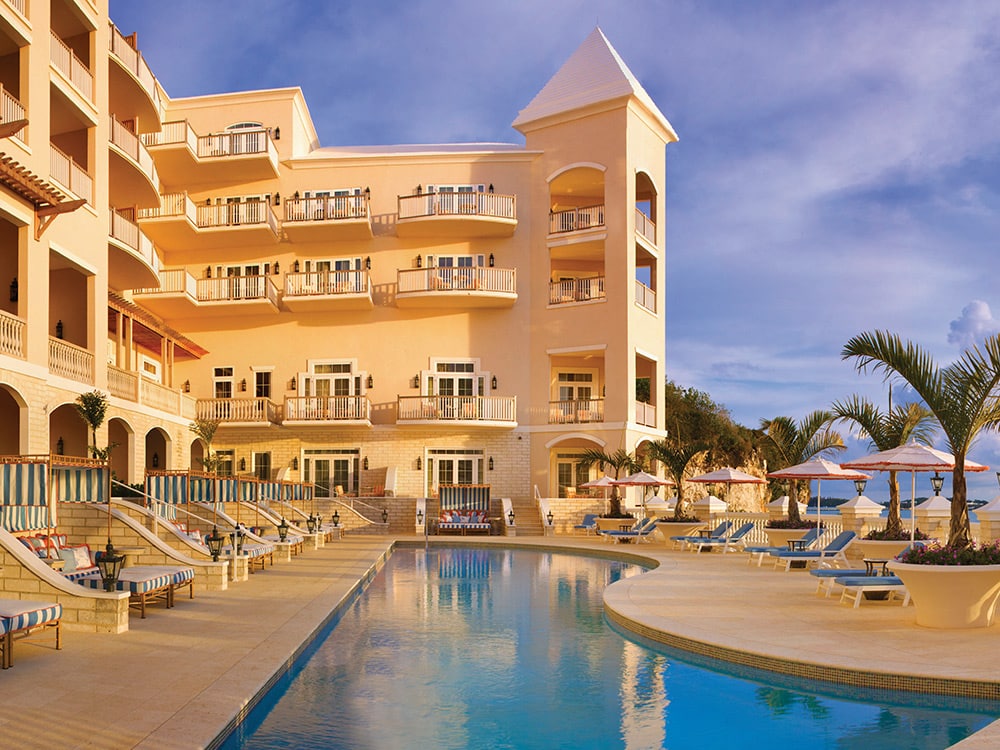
(178,678)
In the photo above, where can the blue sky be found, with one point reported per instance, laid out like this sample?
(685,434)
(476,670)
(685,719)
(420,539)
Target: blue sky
(838,168)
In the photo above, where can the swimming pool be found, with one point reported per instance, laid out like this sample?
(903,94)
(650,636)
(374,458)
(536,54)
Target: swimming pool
(494,648)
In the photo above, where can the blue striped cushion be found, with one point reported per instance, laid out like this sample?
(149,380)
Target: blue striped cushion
(134,580)
(178,575)
(20,614)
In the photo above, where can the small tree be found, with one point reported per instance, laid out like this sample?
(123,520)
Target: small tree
(675,458)
(205,429)
(619,460)
(92,408)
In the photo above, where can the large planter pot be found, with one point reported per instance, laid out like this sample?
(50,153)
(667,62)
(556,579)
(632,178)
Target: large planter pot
(876,549)
(615,524)
(678,528)
(951,596)
(781,537)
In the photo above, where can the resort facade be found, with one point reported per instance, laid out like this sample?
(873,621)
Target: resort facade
(377,320)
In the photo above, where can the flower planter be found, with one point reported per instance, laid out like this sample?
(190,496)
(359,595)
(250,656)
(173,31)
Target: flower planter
(878,549)
(951,596)
(615,524)
(781,537)
(678,528)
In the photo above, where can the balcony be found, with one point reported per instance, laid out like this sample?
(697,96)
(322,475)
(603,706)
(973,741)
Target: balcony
(130,386)
(645,227)
(645,297)
(589,289)
(576,411)
(179,224)
(73,70)
(576,219)
(237,295)
(322,291)
(457,215)
(175,297)
(10,110)
(132,261)
(70,361)
(239,412)
(133,178)
(327,218)
(645,414)
(11,335)
(480,411)
(70,175)
(236,157)
(132,86)
(327,410)
(456,287)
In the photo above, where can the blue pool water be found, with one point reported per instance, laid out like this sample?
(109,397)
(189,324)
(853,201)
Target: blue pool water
(493,648)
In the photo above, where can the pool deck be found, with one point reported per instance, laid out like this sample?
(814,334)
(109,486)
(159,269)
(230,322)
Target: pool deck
(177,678)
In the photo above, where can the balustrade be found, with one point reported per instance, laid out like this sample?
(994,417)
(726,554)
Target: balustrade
(237,410)
(576,218)
(70,361)
(70,174)
(645,226)
(576,290)
(66,61)
(458,408)
(489,205)
(576,411)
(11,109)
(11,335)
(326,282)
(327,408)
(645,297)
(458,278)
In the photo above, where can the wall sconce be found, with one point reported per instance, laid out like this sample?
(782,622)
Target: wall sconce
(368,263)
(277,268)
(415,383)
(491,463)
(364,463)
(243,464)
(420,517)
(277,199)
(13,290)
(385,515)
(492,260)
(604,391)
(493,382)
(295,463)
(510,517)
(491,187)
(60,447)
(208,272)
(420,464)
(550,518)
(291,384)
(368,193)
(277,134)
(187,386)
(59,329)
(156,460)
(243,384)
(371,381)
(295,266)
(420,262)
(420,190)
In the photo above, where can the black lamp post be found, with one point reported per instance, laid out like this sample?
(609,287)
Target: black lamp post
(937,482)
(336,518)
(510,517)
(283,529)
(385,515)
(110,565)
(214,542)
(549,517)
(859,485)
(420,517)
(311,523)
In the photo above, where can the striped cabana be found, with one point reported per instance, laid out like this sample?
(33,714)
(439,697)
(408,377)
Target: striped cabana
(464,497)
(32,487)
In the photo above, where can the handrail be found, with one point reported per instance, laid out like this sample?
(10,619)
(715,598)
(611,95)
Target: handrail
(458,408)
(71,175)
(327,408)
(576,290)
(11,335)
(313,283)
(70,361)
(326,208)
(237,288)
(574,219)
(576,411)
(66,61)
(488,205)
(644,296)
(645,226)
(457,278)
(11,109)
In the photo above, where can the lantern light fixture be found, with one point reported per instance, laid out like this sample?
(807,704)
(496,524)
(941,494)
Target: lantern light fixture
(420,517)
(214,542)
(295,463)
(490,463)
(491,260)
(336,518)
(243,464)
(109,563)
(550,518)
(420,465)
(859,485)
(283,529)
(385,515)
(187,386)
(371,381)
(937,482)
(60,447)
(156,460)
(59,329)
(510,517)
(243,384)
(364,463)
(493,383)
(13,290)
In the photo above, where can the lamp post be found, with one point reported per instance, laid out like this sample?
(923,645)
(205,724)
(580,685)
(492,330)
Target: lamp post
(336,518)
(311,523)
(510,517)
(214,542)
(937,482)
(110,565)
(283,529)
(385,515)
(550,518)
(859,485)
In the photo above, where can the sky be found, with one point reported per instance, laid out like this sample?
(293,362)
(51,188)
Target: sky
(837,169)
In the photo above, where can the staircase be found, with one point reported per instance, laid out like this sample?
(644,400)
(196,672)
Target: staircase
(526,516)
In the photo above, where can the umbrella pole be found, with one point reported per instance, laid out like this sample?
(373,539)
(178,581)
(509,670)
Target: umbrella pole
(819,491)
(913,506)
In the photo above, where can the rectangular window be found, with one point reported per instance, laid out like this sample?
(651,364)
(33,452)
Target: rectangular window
(262,384)
(262,466)
(223,382)
(225,463)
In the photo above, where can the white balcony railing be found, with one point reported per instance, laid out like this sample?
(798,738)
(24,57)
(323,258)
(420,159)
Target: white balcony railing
(576,219)
(70,174)
(458,278)
(70,361)
(123,47)
(173,132)
(576,411)
(237,288)
(20,6)
(129,234)
(244,213)
(172,205)
(576,290)
(645,226)
(236,143)
(11,109)
(71,66)
(645,414)
(261,410)
(129,143)
(11,335)
(314,283)
(644,296)
(458,408)
(490,205)
(173,281)
(159,396)
(326,208)
(327,408)
(123,384)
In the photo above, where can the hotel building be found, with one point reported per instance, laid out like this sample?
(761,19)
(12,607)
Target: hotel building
(377,319)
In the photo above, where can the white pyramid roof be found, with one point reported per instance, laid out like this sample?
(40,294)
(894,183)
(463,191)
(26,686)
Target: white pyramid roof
(593,74)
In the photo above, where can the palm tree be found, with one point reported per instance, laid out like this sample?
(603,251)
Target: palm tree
(962,396)
(675,458)
(887,430)
(792,443)
(92,408)
(205,429)
(619,460)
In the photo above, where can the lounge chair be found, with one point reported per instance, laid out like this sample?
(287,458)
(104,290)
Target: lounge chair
(145,585)
(806,541)
(19,618)
(826,577)
(718,531)
(589,524)
(640,531)
(872,587)
(728,543)
(831,553)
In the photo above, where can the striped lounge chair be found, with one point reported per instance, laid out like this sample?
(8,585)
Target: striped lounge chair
(145,584)
(20,618)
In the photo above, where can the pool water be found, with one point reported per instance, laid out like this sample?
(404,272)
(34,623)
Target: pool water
(493,648)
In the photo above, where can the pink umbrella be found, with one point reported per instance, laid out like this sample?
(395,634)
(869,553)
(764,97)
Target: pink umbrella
(727,476)
(642,479)
(604,482)
(818,469)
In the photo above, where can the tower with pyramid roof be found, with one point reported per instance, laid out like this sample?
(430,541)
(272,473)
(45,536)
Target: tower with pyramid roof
(598,193)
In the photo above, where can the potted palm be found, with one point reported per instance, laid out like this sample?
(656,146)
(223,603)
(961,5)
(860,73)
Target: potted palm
(955,585)
(618,461)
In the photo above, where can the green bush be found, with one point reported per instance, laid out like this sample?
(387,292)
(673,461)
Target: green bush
(881,535)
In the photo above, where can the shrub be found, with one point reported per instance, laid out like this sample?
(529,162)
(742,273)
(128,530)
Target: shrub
(681,519)
(784,523)
(881,535)
(936,554)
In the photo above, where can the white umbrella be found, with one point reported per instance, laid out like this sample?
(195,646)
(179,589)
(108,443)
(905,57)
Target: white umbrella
(603,482)
(912,457)
(818,469)
(727,476)
(642,479)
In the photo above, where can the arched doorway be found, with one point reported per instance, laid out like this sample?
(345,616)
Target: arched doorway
(13,417)
(122,437)
(157,450)
(68,433)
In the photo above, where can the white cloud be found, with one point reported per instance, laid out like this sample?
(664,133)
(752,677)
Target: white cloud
(975,324)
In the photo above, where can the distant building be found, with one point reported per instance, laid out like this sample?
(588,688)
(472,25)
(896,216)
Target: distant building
(355,317)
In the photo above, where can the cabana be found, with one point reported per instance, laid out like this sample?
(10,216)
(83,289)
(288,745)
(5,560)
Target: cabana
(464,508)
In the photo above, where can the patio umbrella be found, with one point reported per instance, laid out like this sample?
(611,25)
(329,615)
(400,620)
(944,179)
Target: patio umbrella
(727,476)
(912,457)
(603,482)
(642,479)
(818,469)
